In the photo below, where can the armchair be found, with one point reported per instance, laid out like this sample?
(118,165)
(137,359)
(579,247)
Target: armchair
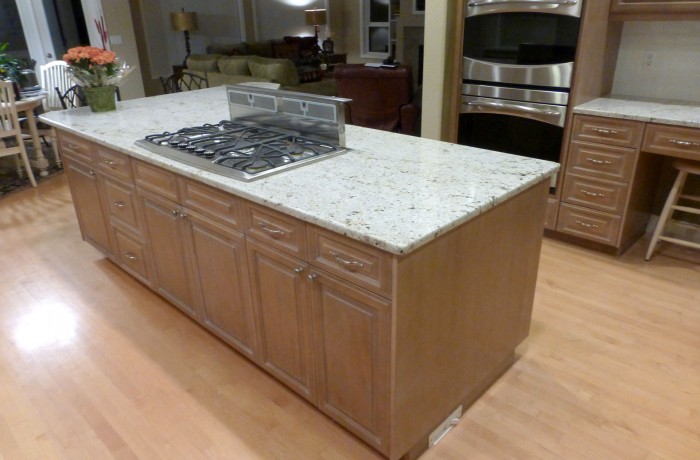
(381,98)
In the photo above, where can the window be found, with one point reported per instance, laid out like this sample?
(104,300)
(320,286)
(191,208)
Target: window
(376,28)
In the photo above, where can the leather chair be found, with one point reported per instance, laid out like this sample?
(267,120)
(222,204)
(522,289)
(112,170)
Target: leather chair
(381,97)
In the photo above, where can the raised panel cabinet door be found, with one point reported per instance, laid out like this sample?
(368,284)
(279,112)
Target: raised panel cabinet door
(168,251)
(84,187)
(223,289)
(280,290)
(352,330)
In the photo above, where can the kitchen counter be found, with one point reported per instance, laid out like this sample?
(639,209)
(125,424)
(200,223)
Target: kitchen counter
(391,191)
(664,111)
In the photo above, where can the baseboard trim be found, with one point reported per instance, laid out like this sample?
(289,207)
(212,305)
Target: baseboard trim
(677,228)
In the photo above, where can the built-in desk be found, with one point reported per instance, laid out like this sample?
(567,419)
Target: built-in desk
(613,165)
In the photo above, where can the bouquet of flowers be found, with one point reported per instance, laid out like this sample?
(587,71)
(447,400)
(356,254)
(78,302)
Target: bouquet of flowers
(94,67)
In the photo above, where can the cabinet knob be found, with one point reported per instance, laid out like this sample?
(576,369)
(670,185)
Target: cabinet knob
(299,270)
(91,172)
(312,277)
(176,212)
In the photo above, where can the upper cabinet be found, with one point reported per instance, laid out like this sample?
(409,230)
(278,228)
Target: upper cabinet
(654,9)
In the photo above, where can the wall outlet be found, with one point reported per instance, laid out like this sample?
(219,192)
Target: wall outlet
(648,60)
(440,432)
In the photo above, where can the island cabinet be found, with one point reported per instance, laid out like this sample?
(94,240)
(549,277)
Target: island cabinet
(609,182)
(388,344)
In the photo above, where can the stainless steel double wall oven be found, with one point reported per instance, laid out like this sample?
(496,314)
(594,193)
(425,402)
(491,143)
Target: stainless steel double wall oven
(518,62)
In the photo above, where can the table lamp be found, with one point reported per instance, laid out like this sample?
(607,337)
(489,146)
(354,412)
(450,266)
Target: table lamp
(184,22)
(316,18)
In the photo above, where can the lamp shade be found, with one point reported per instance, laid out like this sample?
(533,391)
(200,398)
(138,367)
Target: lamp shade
(315,17)
(184,21)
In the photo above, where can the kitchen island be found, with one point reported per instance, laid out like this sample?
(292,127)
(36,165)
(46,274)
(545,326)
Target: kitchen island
(389,286)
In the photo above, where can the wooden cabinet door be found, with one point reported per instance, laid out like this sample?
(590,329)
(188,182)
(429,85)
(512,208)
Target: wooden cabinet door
(352,332)
(222,281)
(84,187)
(168,251)
(280,290)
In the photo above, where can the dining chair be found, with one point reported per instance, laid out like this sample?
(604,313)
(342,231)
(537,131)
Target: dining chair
(170,84)
(10,130)
(71,98)
(190,81)
(54,75)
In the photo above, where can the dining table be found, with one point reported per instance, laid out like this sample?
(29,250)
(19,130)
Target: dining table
(26,108)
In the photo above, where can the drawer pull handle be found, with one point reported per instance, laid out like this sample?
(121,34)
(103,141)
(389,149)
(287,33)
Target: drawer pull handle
(131,256)
(119,204)
(682,143)
(109,162)
(598,162)
(586,224)
(606,132)
(91,172)
(272,231)
(593,194)
(351,265)
(176,212)
(73,146)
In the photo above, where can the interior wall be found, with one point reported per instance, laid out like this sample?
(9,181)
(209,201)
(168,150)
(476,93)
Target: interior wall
(117,16)
(660,60)
(280,18)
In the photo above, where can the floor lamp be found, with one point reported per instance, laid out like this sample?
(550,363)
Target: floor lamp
(184,22)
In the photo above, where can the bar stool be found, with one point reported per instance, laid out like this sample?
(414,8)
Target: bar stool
(684,168)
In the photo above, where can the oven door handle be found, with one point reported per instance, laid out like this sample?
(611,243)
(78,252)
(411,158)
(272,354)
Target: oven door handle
(552,117)
(536,2)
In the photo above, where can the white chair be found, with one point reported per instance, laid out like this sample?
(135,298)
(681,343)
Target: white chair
(55,75)
(684,168)
(10,129)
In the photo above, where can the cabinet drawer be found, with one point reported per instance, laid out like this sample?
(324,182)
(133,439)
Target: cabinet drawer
(77,148)
(602,161)
(131,255)
(589,224)
(156,179)
(595,193)
(356,262)
(114,164)
(121,202)
(210,202)
(611,131)
(278,230)
(675,141)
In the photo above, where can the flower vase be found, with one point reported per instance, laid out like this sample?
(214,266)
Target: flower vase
(101,98)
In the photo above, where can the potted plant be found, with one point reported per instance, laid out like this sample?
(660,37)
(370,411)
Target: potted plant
(10,68)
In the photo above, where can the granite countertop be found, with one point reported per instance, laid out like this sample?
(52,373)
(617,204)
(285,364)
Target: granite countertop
(664,111)
(392,191)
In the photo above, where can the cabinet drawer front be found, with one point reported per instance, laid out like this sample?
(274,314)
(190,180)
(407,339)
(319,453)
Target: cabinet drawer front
(589,224)
(114,164)
(593,193)
(77,148)
(212,203)
(611,131)
(121,200)
(603,161)
(276,229)
(156,179)
(674,141)
(131,255)
(349,259)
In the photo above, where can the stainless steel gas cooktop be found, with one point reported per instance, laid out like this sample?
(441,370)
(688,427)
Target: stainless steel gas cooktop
(274,132)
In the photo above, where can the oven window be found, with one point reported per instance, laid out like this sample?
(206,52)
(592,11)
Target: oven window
(509,134)
(521,38)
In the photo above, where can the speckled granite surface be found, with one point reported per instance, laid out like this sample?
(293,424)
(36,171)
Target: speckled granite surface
(668,112)
(392,191)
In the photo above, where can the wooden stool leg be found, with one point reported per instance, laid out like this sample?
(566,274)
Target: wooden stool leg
(666,212)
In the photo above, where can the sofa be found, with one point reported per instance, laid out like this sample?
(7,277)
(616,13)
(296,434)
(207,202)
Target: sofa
(289,62)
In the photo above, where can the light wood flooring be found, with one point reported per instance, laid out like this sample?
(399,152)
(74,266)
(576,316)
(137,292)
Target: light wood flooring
(93,365)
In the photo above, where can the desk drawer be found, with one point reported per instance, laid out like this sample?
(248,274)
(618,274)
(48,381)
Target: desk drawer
(589,224)
(114,164)
(594,193)
(675,141)
(601,161)
(610,131)
(359,263)
(77,148)
(277,229)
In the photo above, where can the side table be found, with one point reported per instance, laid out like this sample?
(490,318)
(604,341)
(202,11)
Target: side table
(332,60)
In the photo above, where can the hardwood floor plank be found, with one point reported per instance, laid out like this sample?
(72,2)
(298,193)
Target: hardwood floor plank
(95,365)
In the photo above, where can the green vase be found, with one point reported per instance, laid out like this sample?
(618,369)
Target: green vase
(101,98)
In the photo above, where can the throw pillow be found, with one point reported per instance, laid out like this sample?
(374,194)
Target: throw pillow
(234,65)
(282,71)
(203,62)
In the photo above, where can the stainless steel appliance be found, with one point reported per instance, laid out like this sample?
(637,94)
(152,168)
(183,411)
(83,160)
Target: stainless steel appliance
(269,132)
(517,67)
